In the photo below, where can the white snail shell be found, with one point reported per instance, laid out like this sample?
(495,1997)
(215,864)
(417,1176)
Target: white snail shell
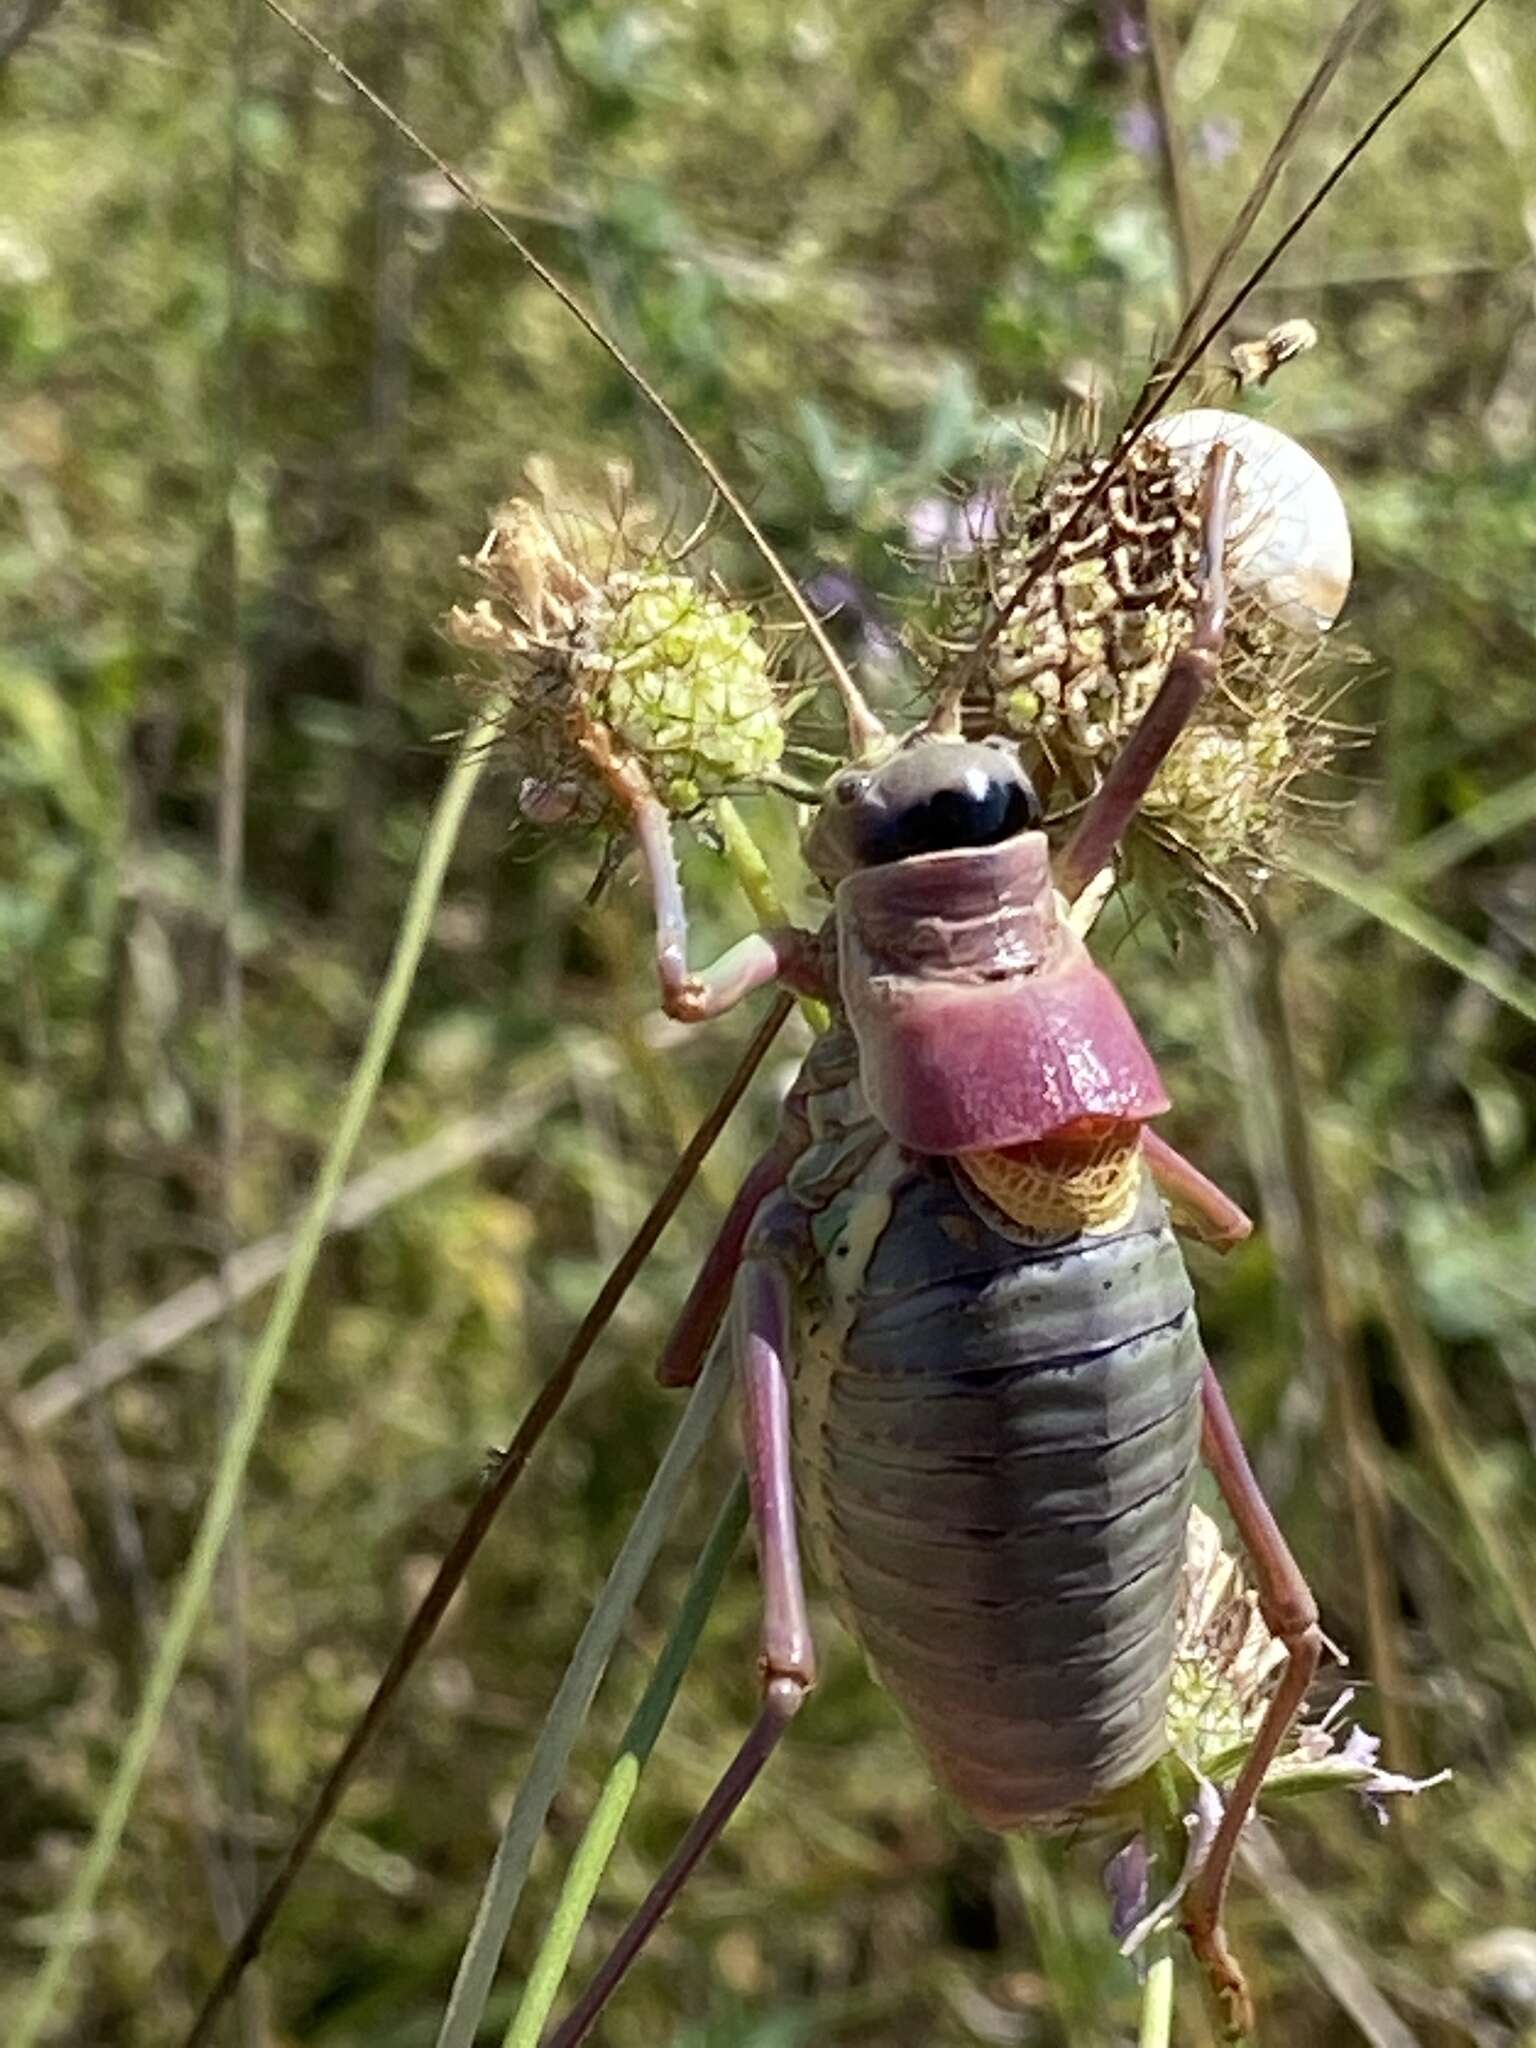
(1289,533)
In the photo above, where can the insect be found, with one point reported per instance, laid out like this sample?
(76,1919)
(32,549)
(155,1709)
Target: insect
(939,776)
(961,1323)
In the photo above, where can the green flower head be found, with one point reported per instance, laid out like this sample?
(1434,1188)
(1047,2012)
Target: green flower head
(610,661)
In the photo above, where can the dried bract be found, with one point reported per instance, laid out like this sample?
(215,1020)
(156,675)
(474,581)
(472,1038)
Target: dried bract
(1099,584)
(1255,362)
(616,671)
(1224,1656)
(1224,1665)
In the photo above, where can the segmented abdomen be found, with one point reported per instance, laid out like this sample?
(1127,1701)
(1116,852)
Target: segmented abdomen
(996,1446)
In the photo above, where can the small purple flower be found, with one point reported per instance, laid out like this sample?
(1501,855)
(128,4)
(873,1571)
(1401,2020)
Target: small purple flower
(1217,139)
(1130,1870)
(1125,1879)
(1125,34)
(1138,130)
(1361,1748)
(931,525)
(836,594)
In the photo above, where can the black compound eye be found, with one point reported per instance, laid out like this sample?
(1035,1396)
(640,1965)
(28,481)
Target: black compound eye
(978,809)
(849,788)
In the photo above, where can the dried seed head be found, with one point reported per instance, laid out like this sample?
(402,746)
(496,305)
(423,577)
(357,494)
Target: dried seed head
(1225,1663)
(1101,595)
(1255,362)
(611,665)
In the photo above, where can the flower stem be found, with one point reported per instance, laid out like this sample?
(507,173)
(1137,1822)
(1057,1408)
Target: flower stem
(747,862)
(602,1830)
(567,1711)
(751,871)
(1156,2029)
(74,1921)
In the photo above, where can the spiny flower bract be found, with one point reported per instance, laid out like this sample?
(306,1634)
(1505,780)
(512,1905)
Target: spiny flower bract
(1098,583)
(613,665)
(1225,1662)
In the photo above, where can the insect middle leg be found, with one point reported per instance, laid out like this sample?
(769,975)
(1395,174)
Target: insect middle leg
(760,1332)
(1287,1605)
(1195,1204)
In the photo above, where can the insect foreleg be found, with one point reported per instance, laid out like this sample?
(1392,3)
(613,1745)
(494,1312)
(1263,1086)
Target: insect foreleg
(778,954)
(1115,803)
(1287,1605)
(761,1324)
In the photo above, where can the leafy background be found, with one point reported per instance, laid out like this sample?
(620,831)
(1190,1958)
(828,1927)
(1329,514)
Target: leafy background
(264,379)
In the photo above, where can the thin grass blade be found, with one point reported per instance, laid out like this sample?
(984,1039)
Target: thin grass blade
(568,1710)
(602,1831)
(476,1525)
(1378,900)
(1505,811)
(256,1387)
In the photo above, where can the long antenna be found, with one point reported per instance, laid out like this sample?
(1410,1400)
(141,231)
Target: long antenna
(864,728)
(1161,385)
(1329,65)
(1150,406)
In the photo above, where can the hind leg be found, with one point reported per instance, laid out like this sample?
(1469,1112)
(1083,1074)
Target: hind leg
(1287,1605)
(761,1311)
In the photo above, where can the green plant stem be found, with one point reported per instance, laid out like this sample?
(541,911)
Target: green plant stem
(1162,1831)
(1321,1277)
(1507,810)
(747,862)
(476,1525)
(757,885)
(1038,1872)
(602,1830)
(1476,963)
(1445,1438)
(1156,2028)
(255,1389)
(568,1709)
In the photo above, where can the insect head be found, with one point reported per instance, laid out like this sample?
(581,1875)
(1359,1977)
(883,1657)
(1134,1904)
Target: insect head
(931,796)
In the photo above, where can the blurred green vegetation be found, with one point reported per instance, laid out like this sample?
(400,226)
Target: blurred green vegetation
(264,378)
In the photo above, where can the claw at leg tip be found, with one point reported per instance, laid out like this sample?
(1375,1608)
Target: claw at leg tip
(1229,1987)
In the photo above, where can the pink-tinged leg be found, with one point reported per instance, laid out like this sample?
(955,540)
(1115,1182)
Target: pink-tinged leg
(781,953)
(701,1315)
(1196,1205)
(761,1310)
(1114,805)
(1287,1605)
